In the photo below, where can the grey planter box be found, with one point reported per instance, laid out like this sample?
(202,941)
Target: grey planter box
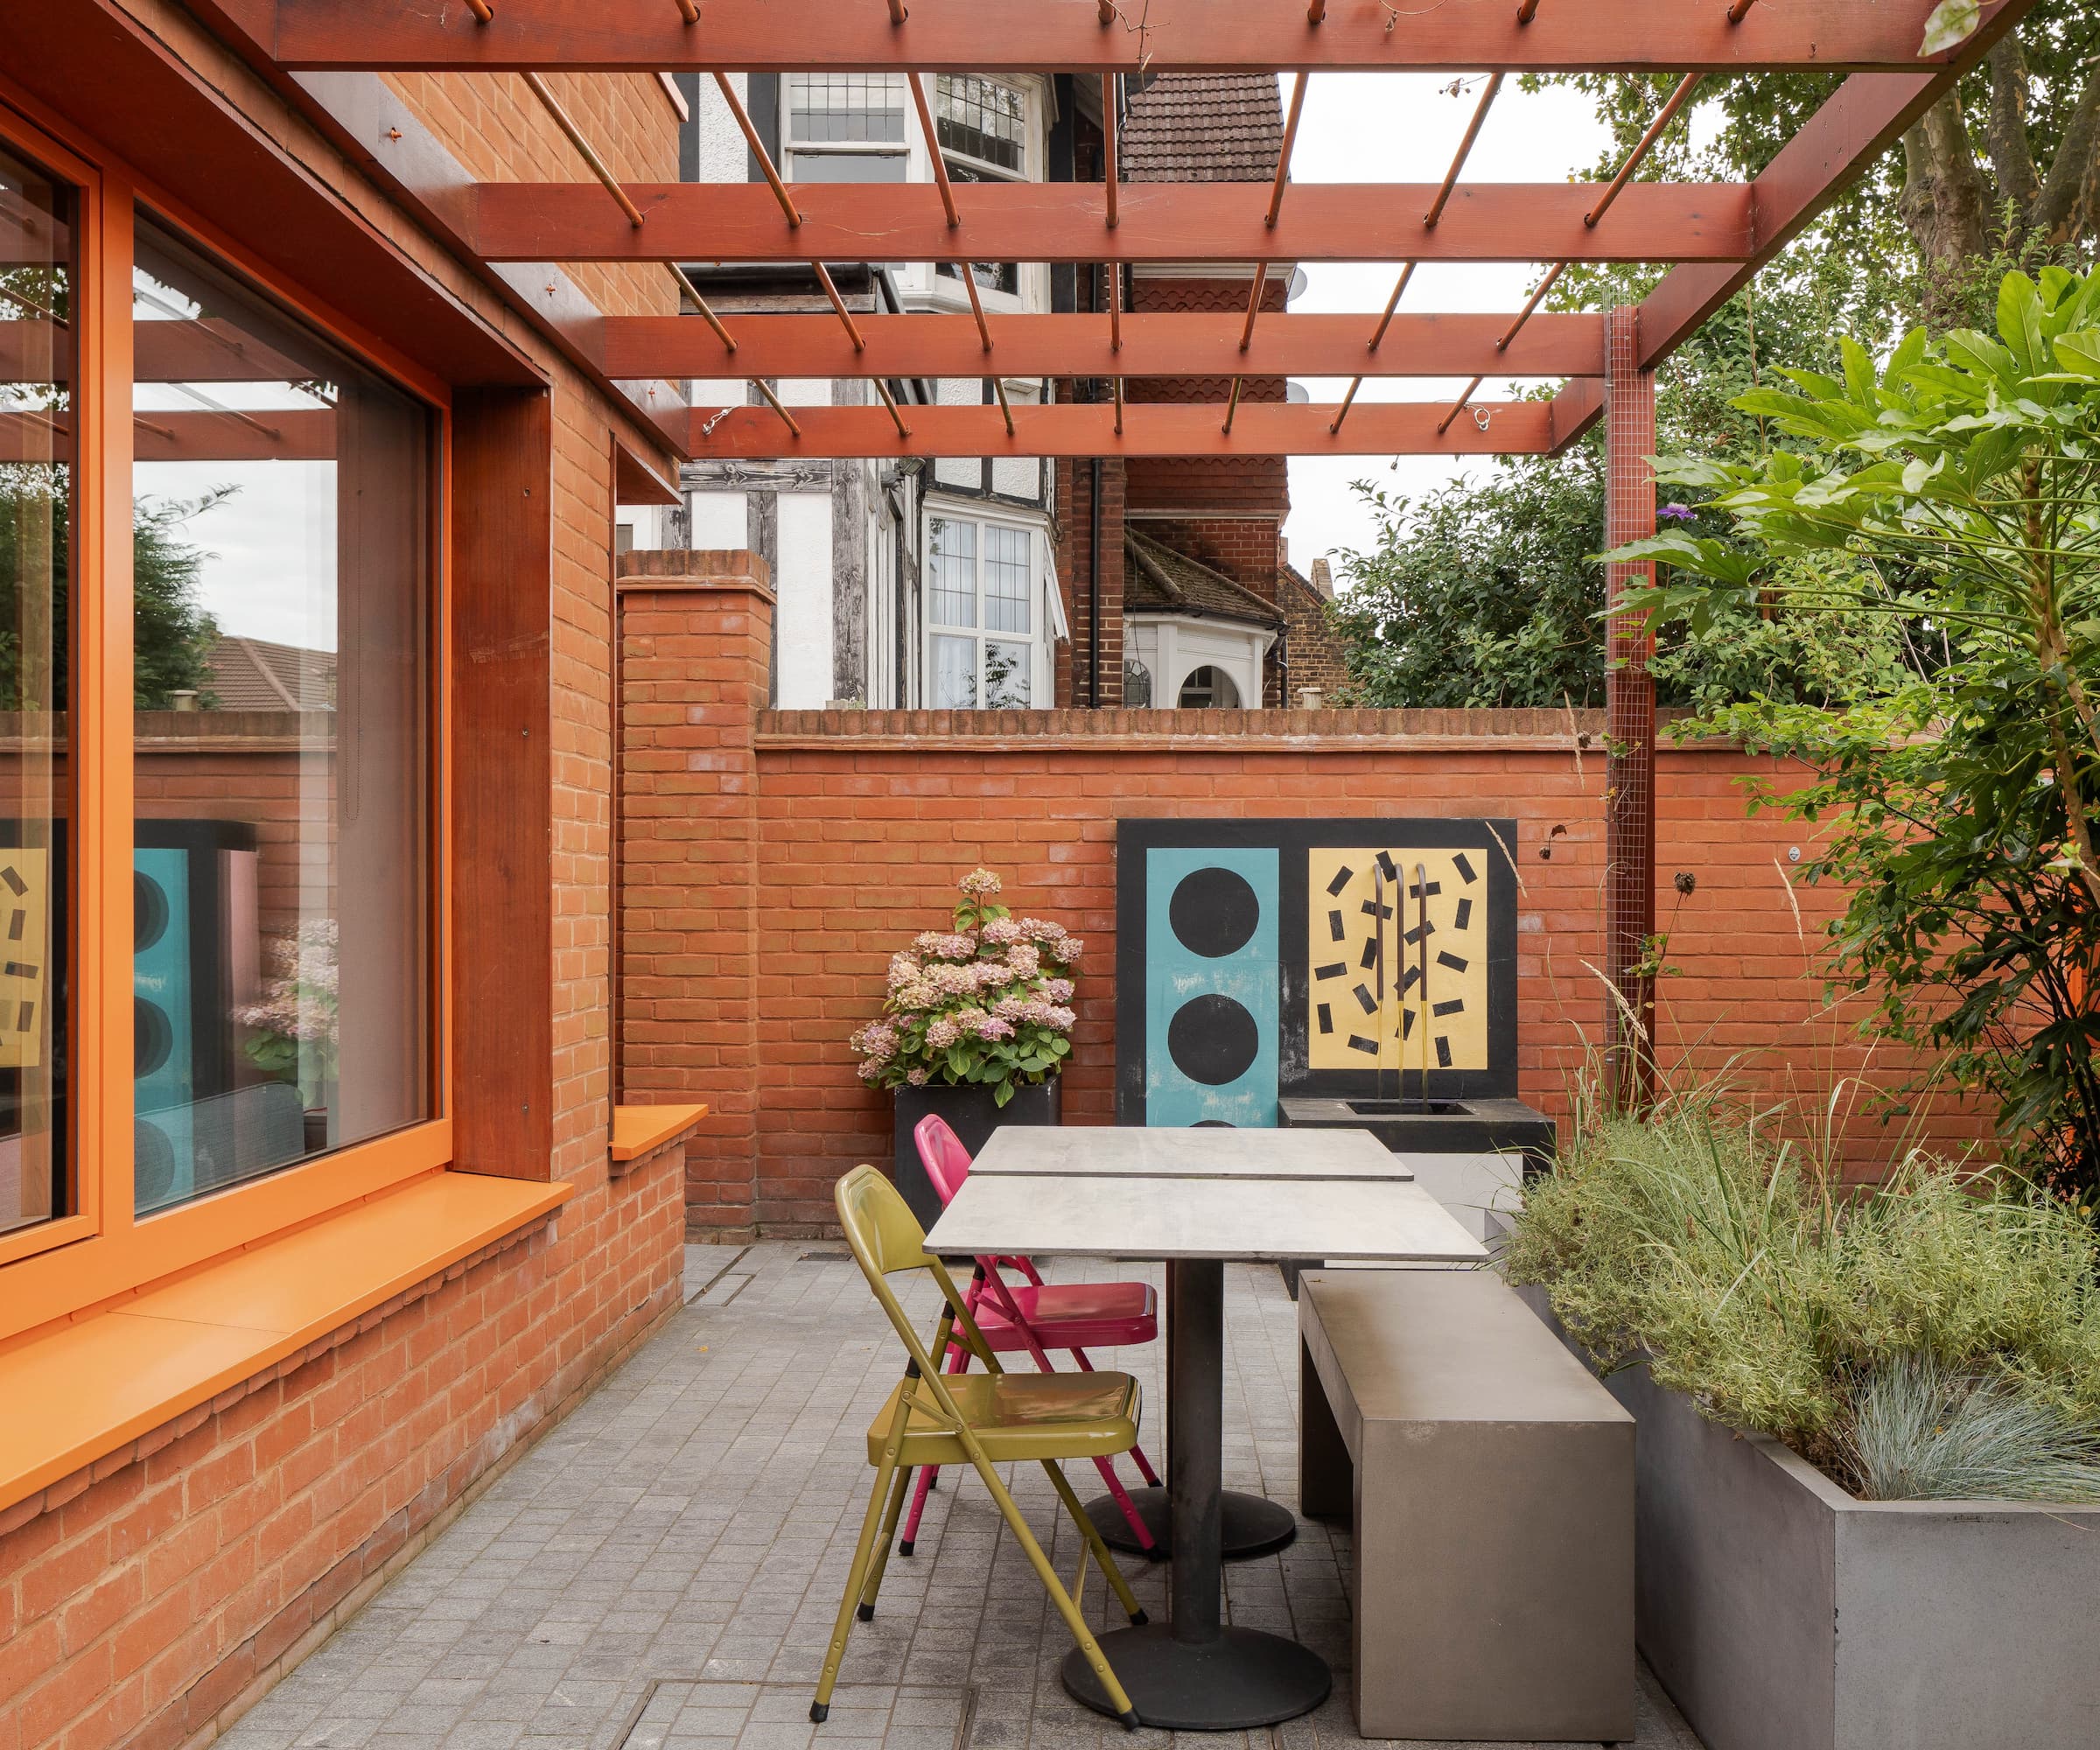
(1780,1613)
(973,1116)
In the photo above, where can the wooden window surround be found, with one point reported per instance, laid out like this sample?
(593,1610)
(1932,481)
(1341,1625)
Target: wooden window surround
(97,1260)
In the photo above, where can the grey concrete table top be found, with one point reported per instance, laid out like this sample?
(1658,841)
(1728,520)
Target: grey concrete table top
(1131,1151)
(1096,1215)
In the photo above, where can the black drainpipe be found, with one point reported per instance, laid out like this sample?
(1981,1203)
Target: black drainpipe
(1094,597)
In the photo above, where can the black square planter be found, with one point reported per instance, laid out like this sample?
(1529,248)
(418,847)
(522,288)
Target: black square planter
(973,1117)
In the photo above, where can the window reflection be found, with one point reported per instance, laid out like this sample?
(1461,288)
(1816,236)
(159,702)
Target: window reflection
(281,525)
(37,542)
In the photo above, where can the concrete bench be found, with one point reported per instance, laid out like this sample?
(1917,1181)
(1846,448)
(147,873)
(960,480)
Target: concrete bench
(1489,1480)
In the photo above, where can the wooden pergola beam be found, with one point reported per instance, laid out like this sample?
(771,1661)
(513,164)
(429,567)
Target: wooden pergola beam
(206,351)
(1065,36)
(1086,429)
(1062,221)
(1175,344)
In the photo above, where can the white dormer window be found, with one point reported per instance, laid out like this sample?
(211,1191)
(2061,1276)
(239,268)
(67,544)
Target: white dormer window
(846,127)
(983,128)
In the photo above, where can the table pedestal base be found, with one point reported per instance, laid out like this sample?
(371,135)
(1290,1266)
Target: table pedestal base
(1252,1525)
(1242,1679)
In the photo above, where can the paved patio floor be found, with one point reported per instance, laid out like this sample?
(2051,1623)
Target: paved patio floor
(661,1573)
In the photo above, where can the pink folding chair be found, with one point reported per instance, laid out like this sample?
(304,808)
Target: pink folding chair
(1036,1316)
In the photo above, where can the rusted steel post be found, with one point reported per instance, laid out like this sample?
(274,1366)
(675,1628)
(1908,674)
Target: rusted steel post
(1629,694)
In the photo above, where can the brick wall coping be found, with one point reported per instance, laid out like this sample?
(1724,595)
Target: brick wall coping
(1334,730)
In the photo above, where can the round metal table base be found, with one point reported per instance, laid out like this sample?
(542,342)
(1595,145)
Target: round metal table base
(1244,1679)
(1252,1525)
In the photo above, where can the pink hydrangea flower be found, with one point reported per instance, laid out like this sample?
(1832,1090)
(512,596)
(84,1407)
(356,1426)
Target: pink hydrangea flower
(1000,932)
(1025,959)
(980,883)
(1058,989)
(942,1032)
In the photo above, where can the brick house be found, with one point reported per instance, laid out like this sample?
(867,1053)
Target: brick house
(893,578)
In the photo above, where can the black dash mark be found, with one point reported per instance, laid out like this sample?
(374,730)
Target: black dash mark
(1370,954)
(1443,1052)
(16,885)
(1455,961)
(1364,999)
(1342,878)
(1386,868)
(1465,868)
(1333,969)
(1456,1006)
(1418,891)
(1327,1019)
(1423,928)
(24,1015)
(1372,909)
(14,969)
(15,926)
(1463,918)
(1407,1022)
(1368,1048)
(1410,978)
(1334,926)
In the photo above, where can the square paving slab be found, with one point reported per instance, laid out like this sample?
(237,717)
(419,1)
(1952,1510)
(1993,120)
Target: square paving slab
(659,1571)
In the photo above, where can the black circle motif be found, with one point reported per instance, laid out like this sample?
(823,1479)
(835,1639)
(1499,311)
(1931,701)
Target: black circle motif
(1213,1040)
(149,912)
(154,1155)
(152,1036)
(1214,912)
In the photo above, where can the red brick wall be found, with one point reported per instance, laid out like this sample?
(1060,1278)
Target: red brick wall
(865,820)
(695,632)
(149,1602)
(1227,483)
(1075,569)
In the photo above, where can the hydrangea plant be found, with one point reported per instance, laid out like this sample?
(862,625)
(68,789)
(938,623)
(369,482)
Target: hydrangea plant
(987,1002)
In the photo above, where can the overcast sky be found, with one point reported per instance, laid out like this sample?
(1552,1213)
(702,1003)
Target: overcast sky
(1383,127)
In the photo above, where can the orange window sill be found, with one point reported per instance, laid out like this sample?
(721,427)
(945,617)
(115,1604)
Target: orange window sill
(642,1129)
(77,1392)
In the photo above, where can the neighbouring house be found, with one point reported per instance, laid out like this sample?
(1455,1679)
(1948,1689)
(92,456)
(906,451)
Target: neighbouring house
(973,583)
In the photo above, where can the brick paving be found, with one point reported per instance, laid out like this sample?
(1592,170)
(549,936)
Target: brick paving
(661,1571)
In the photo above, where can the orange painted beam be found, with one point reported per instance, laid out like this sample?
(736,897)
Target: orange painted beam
(1148,428)
(1078,345)
(1064,222)
(279,435)
(1067,36)
(208,351)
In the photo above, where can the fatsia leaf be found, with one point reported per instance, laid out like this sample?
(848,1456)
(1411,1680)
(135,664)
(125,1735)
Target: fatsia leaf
(2079,352)
(1952,22)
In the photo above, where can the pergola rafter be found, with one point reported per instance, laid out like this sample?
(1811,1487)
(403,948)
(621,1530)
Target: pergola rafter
(1069,35)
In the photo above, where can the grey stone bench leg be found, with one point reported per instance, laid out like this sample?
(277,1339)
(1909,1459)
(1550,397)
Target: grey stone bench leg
(1326,1476)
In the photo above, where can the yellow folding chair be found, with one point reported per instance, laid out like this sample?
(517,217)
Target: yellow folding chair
(978,1419)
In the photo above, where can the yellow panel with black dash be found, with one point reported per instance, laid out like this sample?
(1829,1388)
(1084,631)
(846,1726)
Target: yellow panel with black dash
(25,900)
(1397,959)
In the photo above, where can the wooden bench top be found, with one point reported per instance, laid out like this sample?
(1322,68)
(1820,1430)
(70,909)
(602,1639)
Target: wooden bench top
(1439,1345)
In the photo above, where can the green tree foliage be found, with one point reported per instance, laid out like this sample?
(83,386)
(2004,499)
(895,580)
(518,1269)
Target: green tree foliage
(1957,489)
(171,633)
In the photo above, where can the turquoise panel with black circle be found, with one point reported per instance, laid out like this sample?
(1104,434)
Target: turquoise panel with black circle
(1213,987)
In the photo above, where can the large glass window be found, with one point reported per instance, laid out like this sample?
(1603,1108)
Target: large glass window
(38,542)
(283,531)
(982,126)
(846,127)
(981,576)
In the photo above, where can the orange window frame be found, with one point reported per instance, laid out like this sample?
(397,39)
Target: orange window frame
(99,1252)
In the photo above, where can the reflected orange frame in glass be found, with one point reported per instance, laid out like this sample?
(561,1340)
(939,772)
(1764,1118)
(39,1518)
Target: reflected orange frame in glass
(98,1252)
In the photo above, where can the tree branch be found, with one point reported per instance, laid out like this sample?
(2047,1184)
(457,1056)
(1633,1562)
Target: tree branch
(2065,209)
(1945,200)
(2005,136)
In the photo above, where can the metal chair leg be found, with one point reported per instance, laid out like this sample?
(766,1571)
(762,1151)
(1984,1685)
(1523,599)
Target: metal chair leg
(827,1679)
(1088,1646)
(879,1561)
(1102,1559)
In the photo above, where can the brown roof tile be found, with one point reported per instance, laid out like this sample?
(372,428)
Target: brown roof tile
(252,674)
(1159,580)
(1204,127)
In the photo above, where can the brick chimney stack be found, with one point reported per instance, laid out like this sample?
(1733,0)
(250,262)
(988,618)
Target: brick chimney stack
(1323,578)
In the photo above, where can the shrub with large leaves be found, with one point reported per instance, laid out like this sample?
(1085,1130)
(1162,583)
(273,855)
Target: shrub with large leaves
(1960,482)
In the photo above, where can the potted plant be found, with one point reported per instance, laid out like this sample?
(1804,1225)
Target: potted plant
(977,1027)
(296,1022)
(1868,1454)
